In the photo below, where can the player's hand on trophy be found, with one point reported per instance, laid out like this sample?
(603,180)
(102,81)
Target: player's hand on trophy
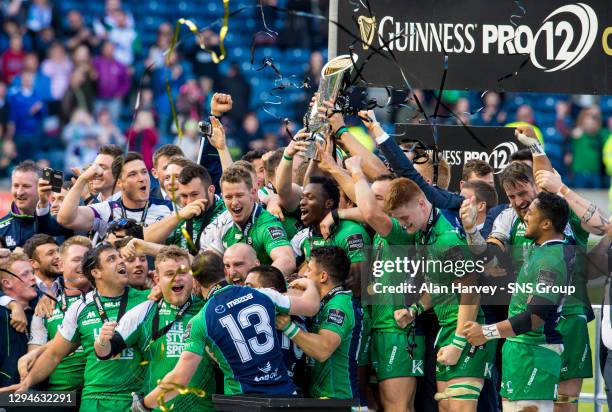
(335,119)
(297,146)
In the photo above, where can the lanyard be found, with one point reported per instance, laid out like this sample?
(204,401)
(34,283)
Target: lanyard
(338,289)
(206,218)
(100,307)
(215,288)
(124,213)
(245,232)
(156,331)
(433,217)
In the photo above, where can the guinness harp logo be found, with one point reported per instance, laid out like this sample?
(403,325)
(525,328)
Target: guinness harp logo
(367,28)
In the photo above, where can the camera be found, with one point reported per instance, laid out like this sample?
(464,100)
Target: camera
(205,128)
(55,178)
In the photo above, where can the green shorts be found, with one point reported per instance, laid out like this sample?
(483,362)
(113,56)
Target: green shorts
(363,357)
(391,357)
(477,363)
(105,405)
(576,361)
(529,372)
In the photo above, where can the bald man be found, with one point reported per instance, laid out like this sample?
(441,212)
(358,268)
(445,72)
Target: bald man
(238,259)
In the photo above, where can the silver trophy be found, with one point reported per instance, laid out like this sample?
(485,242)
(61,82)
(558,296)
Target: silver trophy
(333,80)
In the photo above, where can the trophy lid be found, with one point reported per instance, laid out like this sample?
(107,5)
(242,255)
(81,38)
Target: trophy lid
(338,64)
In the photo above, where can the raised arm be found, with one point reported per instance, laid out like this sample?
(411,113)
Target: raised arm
(372,165)
(403,167)
(527,136)
(341,176)
(217,140)
(71,215)
(365,200)
(592,218)
(289,193)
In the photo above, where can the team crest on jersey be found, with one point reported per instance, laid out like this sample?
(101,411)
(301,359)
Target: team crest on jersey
(267,368)
(276,232)
(354,242)
(336,316)
(220,309)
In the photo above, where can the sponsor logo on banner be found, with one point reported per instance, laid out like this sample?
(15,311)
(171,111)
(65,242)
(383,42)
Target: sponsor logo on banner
(560,42)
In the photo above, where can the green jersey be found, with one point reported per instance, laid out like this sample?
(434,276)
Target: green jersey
(68,375)
(381,311)
(443,242)
(546,266)
(195,227)
(348,235)
(144,322)
(114,379)
(510,229)
(337,376)
(263,231)
(292,223)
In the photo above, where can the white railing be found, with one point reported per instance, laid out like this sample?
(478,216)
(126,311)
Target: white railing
(598,398)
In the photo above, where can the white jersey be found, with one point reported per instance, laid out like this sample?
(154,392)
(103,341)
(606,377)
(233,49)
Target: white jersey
(109,210)
(212,238)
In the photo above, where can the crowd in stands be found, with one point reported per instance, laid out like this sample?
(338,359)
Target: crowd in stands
(71,73)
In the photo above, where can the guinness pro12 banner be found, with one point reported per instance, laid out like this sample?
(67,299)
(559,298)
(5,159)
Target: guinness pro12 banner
(458,147)
(566,46)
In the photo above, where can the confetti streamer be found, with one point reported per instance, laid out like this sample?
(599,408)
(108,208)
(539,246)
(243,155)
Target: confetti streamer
(182,390)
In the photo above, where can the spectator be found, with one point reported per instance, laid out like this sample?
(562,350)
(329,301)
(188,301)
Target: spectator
(113,82)
(42,83)
(19,224)
(190,101)
(107,131)
(78,34)
(250,134)
(202,59)
(58,68)
(4,113)
(27,112)
(492,113)
(113,7)
(40,16)
(176,74)
(21,288)
(81,91)
(125,39)
(12,60)
(315,65)
(81,140)
(156,57)
(143,137)
(239,88)
(190,142)
(586,150)
(43,41)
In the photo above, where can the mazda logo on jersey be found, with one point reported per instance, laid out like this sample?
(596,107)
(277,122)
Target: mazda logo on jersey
(555,37)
